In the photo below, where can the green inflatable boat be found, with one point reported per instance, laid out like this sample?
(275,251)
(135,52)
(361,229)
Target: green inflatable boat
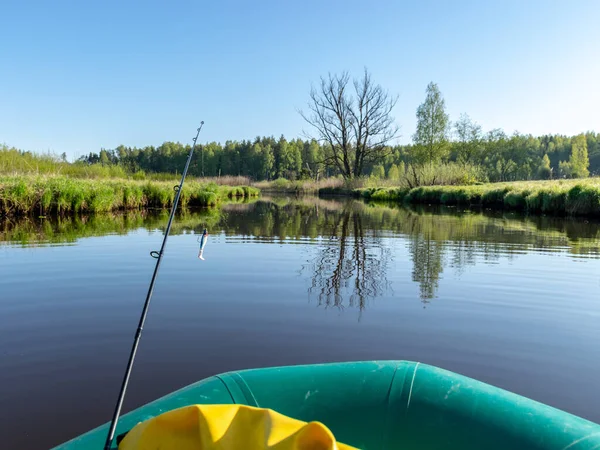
(382,405)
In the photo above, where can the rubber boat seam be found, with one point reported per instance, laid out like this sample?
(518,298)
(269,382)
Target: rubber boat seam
(225,384)
(241,383)
(387,408)
(246,389)
(391,385)
(412,382)
(581,439)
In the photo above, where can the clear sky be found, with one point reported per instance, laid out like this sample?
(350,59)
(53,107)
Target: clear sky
(77,76)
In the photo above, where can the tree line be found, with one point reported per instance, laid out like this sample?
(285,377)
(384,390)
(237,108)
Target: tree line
(353,137)
(264,158)
(500,156)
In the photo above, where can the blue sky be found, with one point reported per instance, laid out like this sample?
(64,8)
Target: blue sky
(77,76)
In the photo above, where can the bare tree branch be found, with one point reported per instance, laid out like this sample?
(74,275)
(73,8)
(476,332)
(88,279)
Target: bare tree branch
(354,129)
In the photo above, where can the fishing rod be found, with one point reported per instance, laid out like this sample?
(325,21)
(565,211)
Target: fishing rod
(158,255)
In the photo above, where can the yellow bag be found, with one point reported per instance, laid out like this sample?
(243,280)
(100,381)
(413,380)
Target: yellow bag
(227,427)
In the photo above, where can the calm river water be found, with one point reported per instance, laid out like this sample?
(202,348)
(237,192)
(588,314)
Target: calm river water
(513,301)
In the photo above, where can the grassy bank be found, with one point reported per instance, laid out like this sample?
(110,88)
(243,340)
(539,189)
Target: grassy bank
(25,194)
(561,197)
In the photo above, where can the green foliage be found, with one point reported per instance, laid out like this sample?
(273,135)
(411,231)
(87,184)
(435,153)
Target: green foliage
(431,137)
(494,196)
(553,201)
(545,171)
(205,198)
(443,174)
(564,169)
(139,175)
(425,194)
(401,169)
(159,194)
(378,172)
(516,199)
(281,184)
(394,173)
(382,194)
(460,196)
(579,160)
(583,200)
(469,143)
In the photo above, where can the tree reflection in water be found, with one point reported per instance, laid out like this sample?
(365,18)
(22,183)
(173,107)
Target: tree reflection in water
(427,255)
(348,264)
(350,260)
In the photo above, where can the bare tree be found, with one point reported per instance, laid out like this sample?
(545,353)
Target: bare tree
(355,128)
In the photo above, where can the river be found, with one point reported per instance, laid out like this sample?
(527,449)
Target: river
(510,300)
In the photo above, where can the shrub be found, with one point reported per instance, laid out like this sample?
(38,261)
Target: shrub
(583,200)
(516,200)
(495,196)
(553,201)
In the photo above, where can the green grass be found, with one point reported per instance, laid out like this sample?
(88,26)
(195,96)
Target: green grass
(560,197)
(15,162)
(24,194)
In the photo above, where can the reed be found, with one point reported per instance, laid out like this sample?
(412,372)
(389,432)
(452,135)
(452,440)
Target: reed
(24,194)
(560,197)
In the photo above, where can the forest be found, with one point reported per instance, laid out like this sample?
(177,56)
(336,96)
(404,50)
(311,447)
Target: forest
(495,155)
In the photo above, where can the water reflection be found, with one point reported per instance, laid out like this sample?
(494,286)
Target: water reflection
(349,246)
(32,232)
(427,255)
(348,264)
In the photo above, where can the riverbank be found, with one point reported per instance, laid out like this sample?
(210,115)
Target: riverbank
(303,187)
(561,197)
(24,194)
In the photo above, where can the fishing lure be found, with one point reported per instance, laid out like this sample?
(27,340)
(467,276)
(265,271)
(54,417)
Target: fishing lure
(202,241)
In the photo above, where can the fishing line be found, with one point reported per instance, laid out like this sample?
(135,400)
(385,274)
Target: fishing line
(158,255)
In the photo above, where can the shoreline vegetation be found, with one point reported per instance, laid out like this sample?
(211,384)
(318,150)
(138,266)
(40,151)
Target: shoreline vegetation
(577,197)
(47,194)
